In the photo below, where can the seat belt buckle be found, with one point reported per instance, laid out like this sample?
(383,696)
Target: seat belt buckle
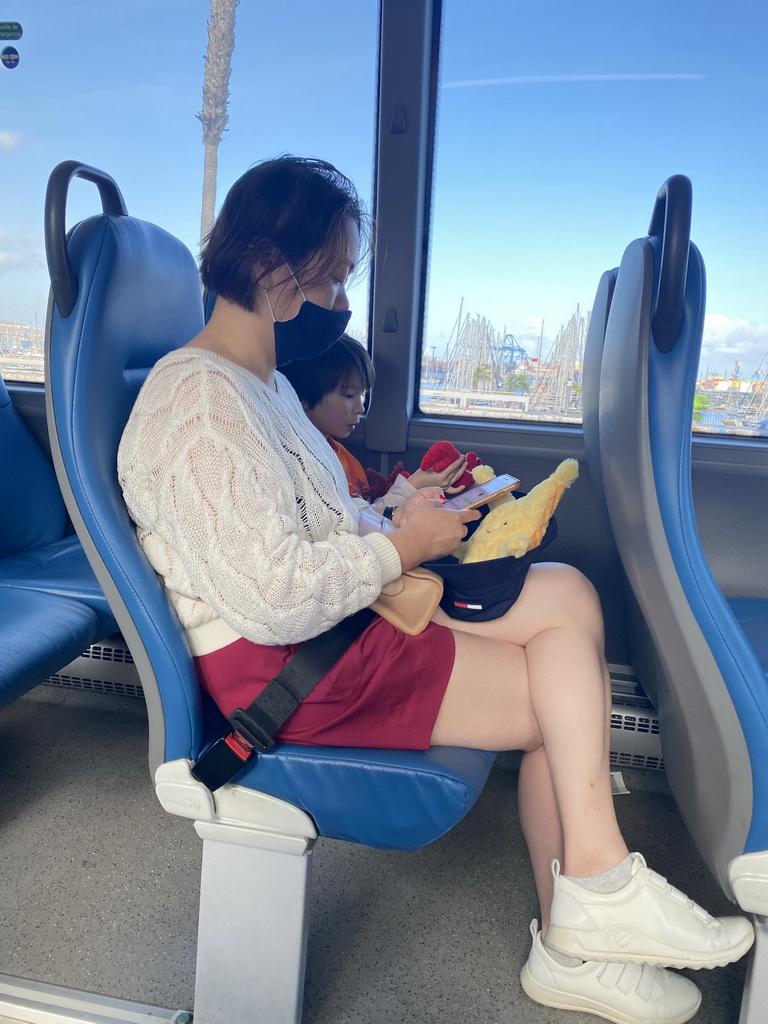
(222,761)
(251,730)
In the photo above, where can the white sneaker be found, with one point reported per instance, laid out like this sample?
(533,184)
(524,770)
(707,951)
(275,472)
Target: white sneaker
(647,921)
(624,993)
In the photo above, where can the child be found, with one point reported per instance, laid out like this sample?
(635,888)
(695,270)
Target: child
(332,389)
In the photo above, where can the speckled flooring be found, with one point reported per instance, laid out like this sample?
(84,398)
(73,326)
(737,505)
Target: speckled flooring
(98,886)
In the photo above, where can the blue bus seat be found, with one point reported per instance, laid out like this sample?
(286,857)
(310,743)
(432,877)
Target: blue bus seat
(590,385)
(707,656)
(125,293)
(40,633)
(35,551)
(51,607)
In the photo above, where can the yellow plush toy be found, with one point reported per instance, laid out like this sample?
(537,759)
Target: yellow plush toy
(515,525)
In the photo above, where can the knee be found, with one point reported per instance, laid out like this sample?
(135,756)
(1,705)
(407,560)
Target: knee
(575,585)
(580,594)
(573,598)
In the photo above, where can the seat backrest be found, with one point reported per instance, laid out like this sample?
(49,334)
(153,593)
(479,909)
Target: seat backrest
(590,385)
(710,689)
(123,294)
(32,511)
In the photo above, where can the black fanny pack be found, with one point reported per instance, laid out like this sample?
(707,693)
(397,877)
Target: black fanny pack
(479,591)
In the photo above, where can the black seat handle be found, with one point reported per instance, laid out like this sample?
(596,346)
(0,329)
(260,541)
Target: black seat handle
(671,221)
(63,280)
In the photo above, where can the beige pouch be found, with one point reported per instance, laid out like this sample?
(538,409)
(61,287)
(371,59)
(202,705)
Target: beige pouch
(409,602)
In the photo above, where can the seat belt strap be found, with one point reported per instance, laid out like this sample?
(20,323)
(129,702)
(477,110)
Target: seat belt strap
(255,726)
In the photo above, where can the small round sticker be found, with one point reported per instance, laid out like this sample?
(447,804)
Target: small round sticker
(9,56)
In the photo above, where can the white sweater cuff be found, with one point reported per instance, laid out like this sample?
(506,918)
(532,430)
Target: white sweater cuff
(386,552)
(210,637)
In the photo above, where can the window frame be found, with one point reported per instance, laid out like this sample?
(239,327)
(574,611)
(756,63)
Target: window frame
(403,165)
(403,180)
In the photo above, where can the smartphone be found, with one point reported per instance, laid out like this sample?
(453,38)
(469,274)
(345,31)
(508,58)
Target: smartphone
(483,493)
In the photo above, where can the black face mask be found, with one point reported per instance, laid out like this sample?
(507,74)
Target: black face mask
(310,333)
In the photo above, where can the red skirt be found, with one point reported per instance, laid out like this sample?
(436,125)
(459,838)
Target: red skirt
(385,691)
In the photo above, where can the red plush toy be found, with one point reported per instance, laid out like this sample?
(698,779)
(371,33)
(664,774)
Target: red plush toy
(442,454)
(378,484)
(438,458)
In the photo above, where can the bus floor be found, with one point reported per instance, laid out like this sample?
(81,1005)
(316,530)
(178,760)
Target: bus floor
(98,885)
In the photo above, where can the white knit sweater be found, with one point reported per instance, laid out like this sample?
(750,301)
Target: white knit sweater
(242,506)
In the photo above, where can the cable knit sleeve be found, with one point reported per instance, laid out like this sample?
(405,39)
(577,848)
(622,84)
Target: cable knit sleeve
(238,506)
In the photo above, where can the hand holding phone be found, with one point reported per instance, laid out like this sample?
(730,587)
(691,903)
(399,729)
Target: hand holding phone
(483,493)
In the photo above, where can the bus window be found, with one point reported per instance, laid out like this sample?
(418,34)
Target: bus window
(557,125)
(119,85)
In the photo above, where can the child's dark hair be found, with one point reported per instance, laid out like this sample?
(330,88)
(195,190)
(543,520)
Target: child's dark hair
(341,365)
(283,210)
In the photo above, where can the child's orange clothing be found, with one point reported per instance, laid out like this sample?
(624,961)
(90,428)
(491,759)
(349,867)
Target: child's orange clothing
(353,471)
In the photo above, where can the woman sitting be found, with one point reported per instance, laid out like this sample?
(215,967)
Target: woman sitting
(243,508)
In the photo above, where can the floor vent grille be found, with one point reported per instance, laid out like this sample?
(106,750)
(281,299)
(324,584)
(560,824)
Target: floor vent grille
(106,667)
(109,651)
(96,685)
(635,741)
(634,723)
(625,760)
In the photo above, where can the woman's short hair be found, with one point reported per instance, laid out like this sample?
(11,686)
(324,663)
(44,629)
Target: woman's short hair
(284,210)
(345,364)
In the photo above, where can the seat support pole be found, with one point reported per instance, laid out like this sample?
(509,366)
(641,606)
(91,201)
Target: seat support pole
(252,933)
(755,996)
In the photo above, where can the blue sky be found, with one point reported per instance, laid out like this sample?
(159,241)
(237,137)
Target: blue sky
(558,123)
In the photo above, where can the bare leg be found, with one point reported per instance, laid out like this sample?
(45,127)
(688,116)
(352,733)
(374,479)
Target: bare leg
(543,689)
(540,821)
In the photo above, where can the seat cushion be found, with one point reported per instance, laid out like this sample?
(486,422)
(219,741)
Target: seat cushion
(39,634)
(390,799)
(59,568)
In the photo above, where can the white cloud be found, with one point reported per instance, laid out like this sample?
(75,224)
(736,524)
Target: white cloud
(10,141)
(528,334)
(539,79)
(530,326)
(19,253)
(730,339)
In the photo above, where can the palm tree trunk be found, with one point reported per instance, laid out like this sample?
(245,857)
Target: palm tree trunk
(214,116)
(210,173)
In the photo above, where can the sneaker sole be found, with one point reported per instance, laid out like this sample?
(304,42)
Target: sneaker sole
(620,944)
(562,1001)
